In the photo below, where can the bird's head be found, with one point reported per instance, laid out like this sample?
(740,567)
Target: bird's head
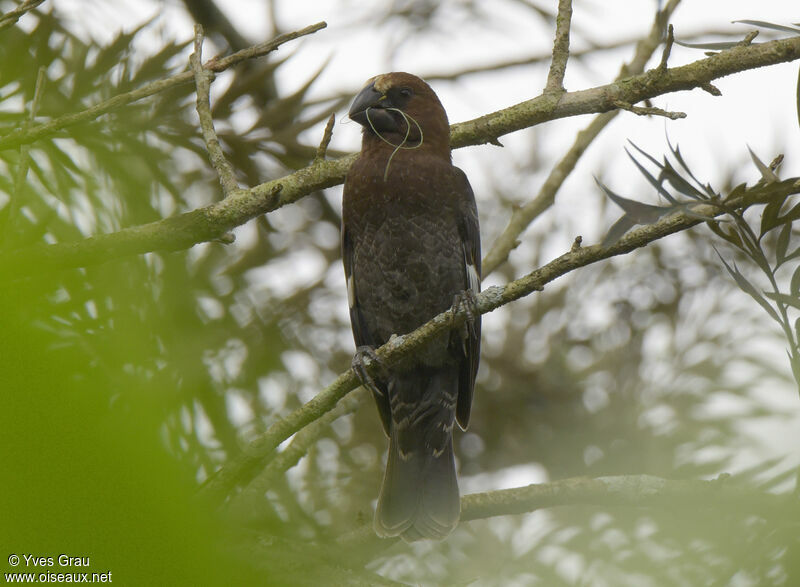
(399,108)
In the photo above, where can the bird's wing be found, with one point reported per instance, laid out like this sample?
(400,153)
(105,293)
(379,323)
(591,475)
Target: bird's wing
(471,239)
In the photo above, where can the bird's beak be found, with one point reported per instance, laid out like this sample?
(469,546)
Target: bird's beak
(369,110)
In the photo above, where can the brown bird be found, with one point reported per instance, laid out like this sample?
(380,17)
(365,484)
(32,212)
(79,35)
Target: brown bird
(411,247)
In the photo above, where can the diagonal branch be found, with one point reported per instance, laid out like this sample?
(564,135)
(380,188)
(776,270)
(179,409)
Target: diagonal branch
(523,216)
(212,222)
(11,17)
(395,353)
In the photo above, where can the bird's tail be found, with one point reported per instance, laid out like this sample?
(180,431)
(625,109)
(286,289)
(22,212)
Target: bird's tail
(419,498)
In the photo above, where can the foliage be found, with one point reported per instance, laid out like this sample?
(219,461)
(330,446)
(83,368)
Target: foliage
(126,385)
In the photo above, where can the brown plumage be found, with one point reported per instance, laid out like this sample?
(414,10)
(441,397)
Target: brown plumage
(410,245)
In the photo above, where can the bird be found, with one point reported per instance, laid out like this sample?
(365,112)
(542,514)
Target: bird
(411,249)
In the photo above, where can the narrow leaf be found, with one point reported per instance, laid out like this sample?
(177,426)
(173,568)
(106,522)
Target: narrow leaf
(619,228)
(793,255)
(729,235)
(711,46)
(680,184)
(792,301)
(783,242)
(791,215)
(638,212)
(769,218)
(649,177)
(749,289)
(766,173)
(794,287)
(769,25)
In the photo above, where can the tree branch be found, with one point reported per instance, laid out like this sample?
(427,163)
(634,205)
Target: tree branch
(34,133)
(626,490)
(622,490)
(634,89)
(11,17)
(649,111)
(523,216)
(252,497)
(558,66)
(202,80)
(395,353)
(212,222)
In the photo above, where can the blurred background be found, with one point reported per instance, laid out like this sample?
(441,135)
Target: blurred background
(125,385)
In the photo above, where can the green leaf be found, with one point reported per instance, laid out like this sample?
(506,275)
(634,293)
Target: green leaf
(680,184)
(783,242)
(730,236)
(770,218)
(638,212)
(676,152)
(653,181)
(619,228)
(791,256)
(791,215)
(767,174)
(749,288)
(721,46)
(783,298)
(794,287)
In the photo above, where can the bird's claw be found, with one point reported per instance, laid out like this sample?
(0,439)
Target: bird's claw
(466,301)
(366,355)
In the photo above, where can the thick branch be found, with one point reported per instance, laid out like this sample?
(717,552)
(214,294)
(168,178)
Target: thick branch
(212,222)
(632,90)
(395,352)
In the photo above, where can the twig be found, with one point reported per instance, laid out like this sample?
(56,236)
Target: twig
(322,150)
(749,37)
(11,17)
(209,223)
(558,66)
(522,217)
(202,79)
(667,47)
(395,353)
(18,137)
(649,110)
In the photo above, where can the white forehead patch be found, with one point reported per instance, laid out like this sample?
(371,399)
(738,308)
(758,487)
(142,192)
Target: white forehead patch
(381,83)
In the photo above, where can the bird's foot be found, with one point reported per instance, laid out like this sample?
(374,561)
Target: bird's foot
(366,356)
(467,302)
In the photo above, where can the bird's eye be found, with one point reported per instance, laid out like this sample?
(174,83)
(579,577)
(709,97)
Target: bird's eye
(405,92)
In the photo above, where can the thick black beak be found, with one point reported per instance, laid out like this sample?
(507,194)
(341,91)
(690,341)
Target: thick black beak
(369,109)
